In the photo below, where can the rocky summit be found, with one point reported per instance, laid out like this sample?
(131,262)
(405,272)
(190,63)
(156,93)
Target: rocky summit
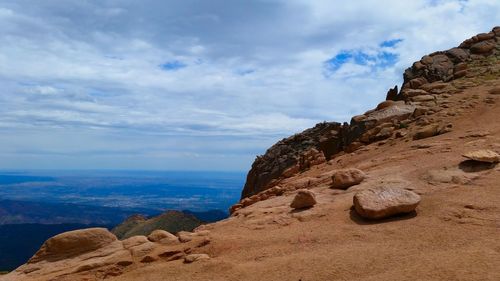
(406,191)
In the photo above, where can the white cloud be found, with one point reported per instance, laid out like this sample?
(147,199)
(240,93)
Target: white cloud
(253,72)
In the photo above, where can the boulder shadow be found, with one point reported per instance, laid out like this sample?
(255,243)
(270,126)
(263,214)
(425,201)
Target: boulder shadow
(355,217)
(472,166)
(294,211)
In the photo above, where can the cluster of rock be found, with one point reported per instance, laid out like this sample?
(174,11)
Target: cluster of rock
(405,114)
(98,252)
(448,65)
(372,203)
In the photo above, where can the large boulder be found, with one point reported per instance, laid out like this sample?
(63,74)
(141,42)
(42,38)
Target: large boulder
(304,199)
(73,243)
(346,178)
(382,202)
(484,155)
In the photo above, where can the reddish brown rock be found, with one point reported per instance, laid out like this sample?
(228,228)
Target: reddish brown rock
(495,91)
(343,179)
(304,199)
(483,47)
(383,202)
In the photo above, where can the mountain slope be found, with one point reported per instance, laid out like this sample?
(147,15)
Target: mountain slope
(413,141)
(171,221)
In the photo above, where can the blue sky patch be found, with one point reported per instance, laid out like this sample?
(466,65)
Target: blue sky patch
(381,59)
(172,65)
(391,43)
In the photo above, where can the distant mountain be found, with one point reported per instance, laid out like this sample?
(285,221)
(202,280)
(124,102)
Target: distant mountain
(18,242)
(12,179)
(209,216)
(171,221)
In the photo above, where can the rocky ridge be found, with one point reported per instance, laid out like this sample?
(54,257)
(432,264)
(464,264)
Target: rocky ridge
(414,112)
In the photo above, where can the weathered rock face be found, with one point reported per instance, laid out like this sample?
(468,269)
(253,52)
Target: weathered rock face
(73,243)
(448,65)
(292,155)
(382,202)
(304,199)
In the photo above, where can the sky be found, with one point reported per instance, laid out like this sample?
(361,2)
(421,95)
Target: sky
(202,85)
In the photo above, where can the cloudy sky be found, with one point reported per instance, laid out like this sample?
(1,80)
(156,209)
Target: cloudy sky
(201,85)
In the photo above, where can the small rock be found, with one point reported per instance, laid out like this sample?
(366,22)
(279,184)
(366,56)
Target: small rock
(382,202)
(185,236)
(483,155)
(196,257)
(401,134)
(343,179)
(304,199)
(495,91)
(149,259)
(385,104)
(162,235)
(427,131)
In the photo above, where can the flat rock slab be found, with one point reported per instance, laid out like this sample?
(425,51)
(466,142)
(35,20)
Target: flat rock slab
(383,202)
(484,155)
(397,111)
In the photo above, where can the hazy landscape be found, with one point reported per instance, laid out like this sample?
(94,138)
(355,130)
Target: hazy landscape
(45,203)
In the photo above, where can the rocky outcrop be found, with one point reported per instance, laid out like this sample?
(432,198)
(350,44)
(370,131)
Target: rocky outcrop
(292,155)
(403,115)
(383,202)
(445,66)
